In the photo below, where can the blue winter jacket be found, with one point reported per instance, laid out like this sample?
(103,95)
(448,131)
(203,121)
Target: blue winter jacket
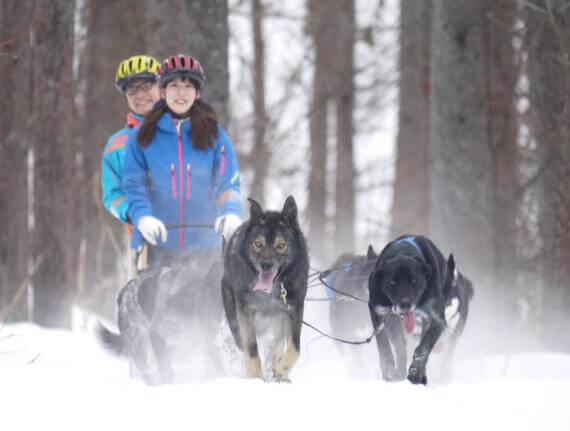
(114,197)
(180,184)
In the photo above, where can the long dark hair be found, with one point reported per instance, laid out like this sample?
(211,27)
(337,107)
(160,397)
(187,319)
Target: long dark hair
(204,124)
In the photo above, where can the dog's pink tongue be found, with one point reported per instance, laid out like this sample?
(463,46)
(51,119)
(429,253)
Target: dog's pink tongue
(409,318)
(265,282)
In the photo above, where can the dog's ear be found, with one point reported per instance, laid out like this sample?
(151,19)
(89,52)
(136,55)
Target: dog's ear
(290,210)
(371,254)
(255,210)
(451,264)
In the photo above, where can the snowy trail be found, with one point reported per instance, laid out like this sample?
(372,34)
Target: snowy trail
(64,380)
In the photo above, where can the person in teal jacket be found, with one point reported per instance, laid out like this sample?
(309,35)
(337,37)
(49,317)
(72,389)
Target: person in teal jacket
(181,173)
(136,79)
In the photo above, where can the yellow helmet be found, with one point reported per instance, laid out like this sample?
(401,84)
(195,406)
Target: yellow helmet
(135,67)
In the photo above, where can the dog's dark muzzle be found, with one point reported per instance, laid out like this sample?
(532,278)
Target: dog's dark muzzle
(266,265)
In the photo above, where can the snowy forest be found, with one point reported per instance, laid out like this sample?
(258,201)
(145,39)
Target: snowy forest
(447,118)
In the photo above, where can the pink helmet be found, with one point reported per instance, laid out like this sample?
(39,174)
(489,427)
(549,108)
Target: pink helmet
(180,66)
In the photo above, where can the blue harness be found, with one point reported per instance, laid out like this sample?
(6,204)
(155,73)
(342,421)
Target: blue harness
(331,278)
(410,240)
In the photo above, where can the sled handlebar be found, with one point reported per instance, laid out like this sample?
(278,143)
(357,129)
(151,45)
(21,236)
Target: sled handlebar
(193,225)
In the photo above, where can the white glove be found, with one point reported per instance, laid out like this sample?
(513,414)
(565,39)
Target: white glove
(227,225)
(151,229)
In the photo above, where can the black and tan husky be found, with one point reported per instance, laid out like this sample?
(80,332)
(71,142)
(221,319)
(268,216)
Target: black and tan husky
(266,268)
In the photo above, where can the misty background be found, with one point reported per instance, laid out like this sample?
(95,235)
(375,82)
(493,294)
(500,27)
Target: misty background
(448,118)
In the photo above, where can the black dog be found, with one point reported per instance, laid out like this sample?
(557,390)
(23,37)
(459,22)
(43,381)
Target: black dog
(168,320)
(410,276)
(264,284)
(347,315)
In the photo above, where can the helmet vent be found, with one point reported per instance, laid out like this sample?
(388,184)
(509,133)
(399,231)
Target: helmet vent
(138,66)
(177,65)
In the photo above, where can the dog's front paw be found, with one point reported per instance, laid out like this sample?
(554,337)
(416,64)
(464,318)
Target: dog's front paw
(273,378)
(417,377)
(401,375)
(152,377)
(391,375)
(282,379)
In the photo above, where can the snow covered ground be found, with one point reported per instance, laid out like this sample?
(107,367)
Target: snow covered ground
(63,380)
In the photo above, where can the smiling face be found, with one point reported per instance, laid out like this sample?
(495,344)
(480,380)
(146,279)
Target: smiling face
(180,95)
(141,95)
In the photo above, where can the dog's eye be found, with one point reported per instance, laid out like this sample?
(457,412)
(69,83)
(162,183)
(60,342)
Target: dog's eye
(280,244)
(281,247)
(258,244)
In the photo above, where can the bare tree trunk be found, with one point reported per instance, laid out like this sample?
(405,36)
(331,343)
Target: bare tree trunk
(461,189)
(502,76)
(15,66)
(53,117)
(321,34)
(561,26)
(208,35)
(260,156)
(548,44)
(344,99)
(166,27)
(102,112)
(412,185)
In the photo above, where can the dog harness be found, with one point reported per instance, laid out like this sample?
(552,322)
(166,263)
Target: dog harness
(410,240)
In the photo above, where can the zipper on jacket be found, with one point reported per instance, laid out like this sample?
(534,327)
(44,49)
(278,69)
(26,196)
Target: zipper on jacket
(173,176)
(223,161)
(188,182)
(178,124)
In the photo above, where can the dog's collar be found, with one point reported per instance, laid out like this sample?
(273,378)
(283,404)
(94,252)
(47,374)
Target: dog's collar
(283,295)
(410,240)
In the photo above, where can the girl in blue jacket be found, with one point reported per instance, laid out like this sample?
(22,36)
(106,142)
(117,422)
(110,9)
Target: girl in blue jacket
(181,173)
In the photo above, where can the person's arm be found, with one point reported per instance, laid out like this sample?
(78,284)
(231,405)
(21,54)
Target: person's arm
(227,186)
(228,197)
(135,181)
(114,197)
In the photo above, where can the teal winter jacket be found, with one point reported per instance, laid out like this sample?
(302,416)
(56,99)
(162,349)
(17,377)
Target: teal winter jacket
(114,197)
